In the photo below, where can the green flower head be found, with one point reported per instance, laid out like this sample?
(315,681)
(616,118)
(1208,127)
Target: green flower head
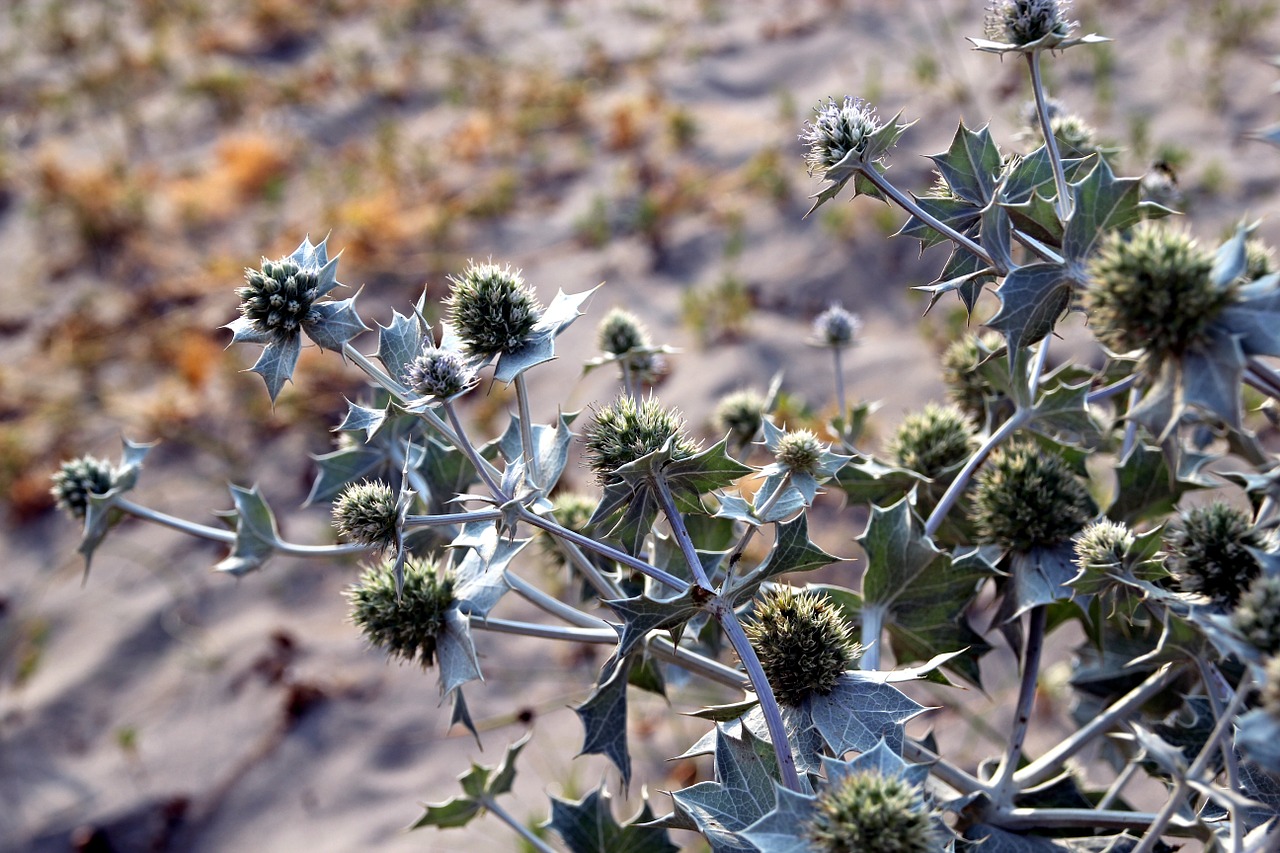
(965,385)
(621,332)
(932,441)
(740,414)
(627,430)
(573,511)
(1151,290)
(1028,498)
(1271,688)
(492,310)
(367,513)
(77,479)
(1208,552)
(278,297)
(803,643)
(406,626)
(1103,545)
(1257,616)
(867,812)
(800,451)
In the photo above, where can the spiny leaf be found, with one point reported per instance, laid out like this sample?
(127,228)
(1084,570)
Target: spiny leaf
(480,786)
(588,826)
(860,712)
(777,832)
(256,534)
(399,343)
(276,363)
(957,213)
(1042,576)
(337,324)
(1102,203)
(969,165)
(874,483)
(793,551)
(1145,486)
(642,614)
(742,793)
(456,653)
(1032,300)
(604,718)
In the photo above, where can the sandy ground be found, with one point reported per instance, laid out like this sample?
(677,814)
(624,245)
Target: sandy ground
(173,709)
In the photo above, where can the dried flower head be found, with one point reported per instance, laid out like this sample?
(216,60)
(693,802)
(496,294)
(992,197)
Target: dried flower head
(1103,545)
(838,128)
(77,479)
(868,812)
(492,309)
(1027,498)
(278,298)
(406,626)
(627,430)
(437,372)
(803,642)
(367,513)
(621,332)
(800,451)
(836,327)
(1021,22)
(933,440)
(741,415)
(1151,290)
(1257,616)
(1208,552)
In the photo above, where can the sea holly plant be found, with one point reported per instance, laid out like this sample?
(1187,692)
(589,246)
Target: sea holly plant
(1042,494)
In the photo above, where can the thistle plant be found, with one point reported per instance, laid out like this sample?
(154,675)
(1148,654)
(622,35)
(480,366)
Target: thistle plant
(1049,492)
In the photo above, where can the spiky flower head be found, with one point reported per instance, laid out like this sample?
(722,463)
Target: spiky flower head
(627,430)
(621,332)
(803,642)
(1027,498)
(406,626)
(740,414)
(800,451)
(278,298)
(1259,260)
(1075,136)
(965,384)
(1103,545)
(1257,616)
(77,479)
(367,513)
(1208,552)
(1021,22)
(837,128)
(437,372)
(492,310)
(1271,687)
(933,440)
(1151,290)
(836,327)
(869,812)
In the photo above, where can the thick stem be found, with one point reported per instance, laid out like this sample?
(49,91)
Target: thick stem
(468,449)
(881,183)
(738,550)
(228,537)
(1048,765)
(1063,202)
(680,532)
(553,605)
(412,521)
(526,434)
(628,384)
(377,374)
(679,584)
(1003,787)
(599,636)
(958,485)
(760,683)
(1117,787)
(1040,819)
(523,831)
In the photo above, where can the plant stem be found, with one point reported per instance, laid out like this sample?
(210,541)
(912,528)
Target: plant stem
(1003,786)
(377,374)
(468,449)
(1108,391)
(553,605)
(628,386)
(680,532)
(1197,769)
(228,537)
(599,636)
(1117,787)
(1048,765)
(412,521)
(679,584)
(952,494)
(661,647)
(882,184)
(1063,203)
(736,554)
(964,783)
(1041,819)
(526,435)
(521,830)
(760,683)
(837,355)
(872,628)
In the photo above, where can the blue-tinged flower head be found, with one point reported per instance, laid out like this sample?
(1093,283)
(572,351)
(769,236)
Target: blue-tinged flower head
(77,479)
(1021,22)
(838,128)
(492,309)
(836,327)
(440,373)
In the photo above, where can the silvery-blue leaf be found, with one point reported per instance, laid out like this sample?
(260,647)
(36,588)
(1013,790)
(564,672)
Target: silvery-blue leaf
(860,711)
(337,323)
(779,830)
(398,344)
(538,349)
(277,362)
(1230,259)
(456,652)
(256,533)
(245,331)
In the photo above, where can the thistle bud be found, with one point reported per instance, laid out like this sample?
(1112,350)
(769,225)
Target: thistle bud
(1257,616)
(1271,688)
(1020,22)
(621,332)
(1209,552)
(439,373)
(367,513)
(740,414)
(965,385)
(77,479)
(405,626)
(627,430)
(931,441)
(800,451)
(870,811)
(492,309)
(802,641)
(1028,498)
(277,298)
(836,327)
(1103,545)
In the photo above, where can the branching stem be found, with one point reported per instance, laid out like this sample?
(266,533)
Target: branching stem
(1003,786)
(883,185)
(1063,202)
(526,435)
(681,533)
(523,831)
(228,537)
(679,584)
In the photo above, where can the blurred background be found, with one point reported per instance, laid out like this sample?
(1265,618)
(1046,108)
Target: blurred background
(150,150)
